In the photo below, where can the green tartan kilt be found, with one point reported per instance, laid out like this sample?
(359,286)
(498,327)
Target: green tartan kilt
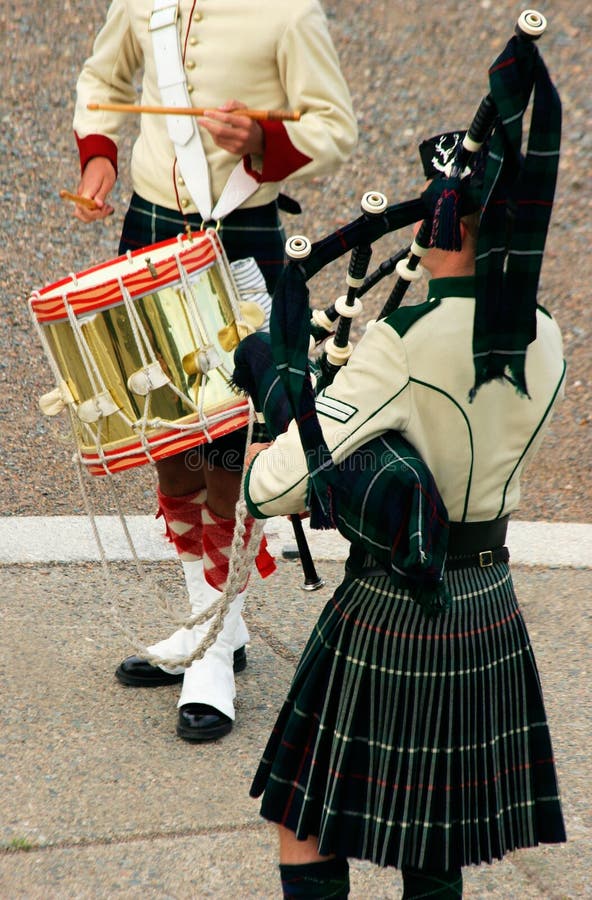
(256,231)
(415,741)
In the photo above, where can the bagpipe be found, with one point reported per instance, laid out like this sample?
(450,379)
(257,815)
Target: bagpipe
(482,169)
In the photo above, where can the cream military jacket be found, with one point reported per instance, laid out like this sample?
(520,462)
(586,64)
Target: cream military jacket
(416,380)
(277,54)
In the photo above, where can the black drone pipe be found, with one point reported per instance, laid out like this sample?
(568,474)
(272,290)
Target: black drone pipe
(386,267)
(338,348)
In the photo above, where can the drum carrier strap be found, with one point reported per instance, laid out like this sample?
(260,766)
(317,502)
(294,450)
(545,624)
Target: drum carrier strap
(183,131)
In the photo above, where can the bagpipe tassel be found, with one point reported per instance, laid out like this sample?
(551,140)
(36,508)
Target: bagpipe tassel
(446,221)
(445,196)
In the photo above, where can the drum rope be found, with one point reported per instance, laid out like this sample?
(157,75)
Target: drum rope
(94,375)
(242,558)
(147,356)
(136,325)
(144,424)
(201,329)
(226,273)
(192,305)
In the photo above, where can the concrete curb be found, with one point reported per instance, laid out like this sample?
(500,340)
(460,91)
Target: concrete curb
(66,539)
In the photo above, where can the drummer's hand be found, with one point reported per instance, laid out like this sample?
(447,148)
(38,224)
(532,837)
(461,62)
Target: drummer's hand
(253,451)
(232,132)
(96,183)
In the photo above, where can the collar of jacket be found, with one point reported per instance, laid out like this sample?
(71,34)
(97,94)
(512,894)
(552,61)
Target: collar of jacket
(458,286)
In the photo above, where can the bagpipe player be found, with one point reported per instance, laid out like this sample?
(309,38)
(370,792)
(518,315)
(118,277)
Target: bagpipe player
(411,738)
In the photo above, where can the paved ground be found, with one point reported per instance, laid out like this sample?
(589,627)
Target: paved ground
(100,799)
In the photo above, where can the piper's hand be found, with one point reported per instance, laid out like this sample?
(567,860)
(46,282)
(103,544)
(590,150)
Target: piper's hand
(254,451)
(96,183)
(232,132)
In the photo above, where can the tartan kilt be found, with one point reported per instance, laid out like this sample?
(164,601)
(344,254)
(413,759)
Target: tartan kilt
(255,231)
(416,741)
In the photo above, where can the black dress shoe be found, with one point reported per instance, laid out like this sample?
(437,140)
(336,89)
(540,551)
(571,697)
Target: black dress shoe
(137,672)
(200,722)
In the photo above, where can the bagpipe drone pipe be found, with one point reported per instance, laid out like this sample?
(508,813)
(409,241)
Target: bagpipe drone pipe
(484,171)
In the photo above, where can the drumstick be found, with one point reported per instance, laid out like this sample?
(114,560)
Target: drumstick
(275,115)
(81,201)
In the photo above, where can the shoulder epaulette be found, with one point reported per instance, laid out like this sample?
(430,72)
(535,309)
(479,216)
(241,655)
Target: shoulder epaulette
(402,319)
(544,310)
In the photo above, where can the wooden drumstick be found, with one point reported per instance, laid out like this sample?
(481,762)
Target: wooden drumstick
(276,115)
(81,201)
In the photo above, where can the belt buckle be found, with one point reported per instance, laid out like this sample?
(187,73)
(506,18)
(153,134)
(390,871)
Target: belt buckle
(485,558)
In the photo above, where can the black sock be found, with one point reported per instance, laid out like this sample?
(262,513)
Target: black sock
(418,884)
(329,878)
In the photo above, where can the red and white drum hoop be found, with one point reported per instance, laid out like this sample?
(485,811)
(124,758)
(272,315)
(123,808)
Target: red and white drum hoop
(141,349)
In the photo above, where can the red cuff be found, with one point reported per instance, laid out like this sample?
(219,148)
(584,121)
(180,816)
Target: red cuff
(280,157)
(96,145)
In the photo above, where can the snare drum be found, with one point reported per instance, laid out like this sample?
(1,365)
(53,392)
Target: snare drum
(142,350)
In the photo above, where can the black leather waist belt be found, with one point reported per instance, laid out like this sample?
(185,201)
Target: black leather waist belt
(470,544)
(471,537)
(482,560)
(477,544)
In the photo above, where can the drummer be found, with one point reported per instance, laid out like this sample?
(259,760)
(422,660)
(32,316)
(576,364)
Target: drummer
(221,169)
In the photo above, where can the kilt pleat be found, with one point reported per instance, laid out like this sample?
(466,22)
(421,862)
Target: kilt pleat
(409,740)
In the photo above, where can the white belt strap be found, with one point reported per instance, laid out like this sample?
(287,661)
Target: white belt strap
(183,132)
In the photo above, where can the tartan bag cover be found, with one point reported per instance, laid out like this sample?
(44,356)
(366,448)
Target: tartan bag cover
(515,195)
(517,199)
